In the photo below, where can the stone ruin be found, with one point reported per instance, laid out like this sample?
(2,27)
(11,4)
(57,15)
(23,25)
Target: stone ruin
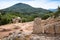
(50,25)
(16,20)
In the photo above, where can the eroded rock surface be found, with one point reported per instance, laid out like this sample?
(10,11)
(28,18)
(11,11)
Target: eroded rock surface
(50,25)
(48,29)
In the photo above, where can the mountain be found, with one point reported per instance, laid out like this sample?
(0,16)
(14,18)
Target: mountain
(53,10)
(25,8)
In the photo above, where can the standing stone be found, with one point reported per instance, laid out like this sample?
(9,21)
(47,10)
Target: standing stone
(37,28)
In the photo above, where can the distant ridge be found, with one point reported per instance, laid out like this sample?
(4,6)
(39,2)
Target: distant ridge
(53,10)
(25,8)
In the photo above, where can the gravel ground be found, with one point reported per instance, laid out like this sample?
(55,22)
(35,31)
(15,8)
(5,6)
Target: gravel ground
(19,36)
(45,37)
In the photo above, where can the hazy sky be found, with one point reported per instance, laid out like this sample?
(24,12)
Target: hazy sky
(46,4)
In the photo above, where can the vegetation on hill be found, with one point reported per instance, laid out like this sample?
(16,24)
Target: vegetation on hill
(25,8)
(6,17)
(26,12)
(57,13)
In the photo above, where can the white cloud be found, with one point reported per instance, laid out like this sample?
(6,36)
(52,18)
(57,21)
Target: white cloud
(7,4)
(44,4)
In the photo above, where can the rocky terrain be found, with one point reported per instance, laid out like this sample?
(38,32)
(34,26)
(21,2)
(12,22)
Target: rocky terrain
(38,29)
(8,29)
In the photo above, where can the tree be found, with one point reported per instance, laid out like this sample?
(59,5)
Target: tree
(6,18)
(57,13)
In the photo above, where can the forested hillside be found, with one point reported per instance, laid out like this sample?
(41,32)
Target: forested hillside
(25,8)
(26,12)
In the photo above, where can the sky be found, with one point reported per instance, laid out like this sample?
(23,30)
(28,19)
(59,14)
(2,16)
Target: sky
(46,4)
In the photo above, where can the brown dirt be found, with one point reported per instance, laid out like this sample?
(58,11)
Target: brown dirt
(10,28)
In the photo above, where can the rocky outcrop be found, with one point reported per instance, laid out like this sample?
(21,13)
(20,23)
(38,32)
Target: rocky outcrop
(37,26)
(50,25)
(57,27)
(30,37)
(42,29)
(49,29)
(16,20)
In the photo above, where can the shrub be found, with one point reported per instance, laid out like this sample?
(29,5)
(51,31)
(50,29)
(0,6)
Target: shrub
(5,19)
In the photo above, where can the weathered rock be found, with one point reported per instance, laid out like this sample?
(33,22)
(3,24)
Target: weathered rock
(51,26)
(49,29)
(37,28)
(57,27)
(16,20)
(37,25)
(50,20)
